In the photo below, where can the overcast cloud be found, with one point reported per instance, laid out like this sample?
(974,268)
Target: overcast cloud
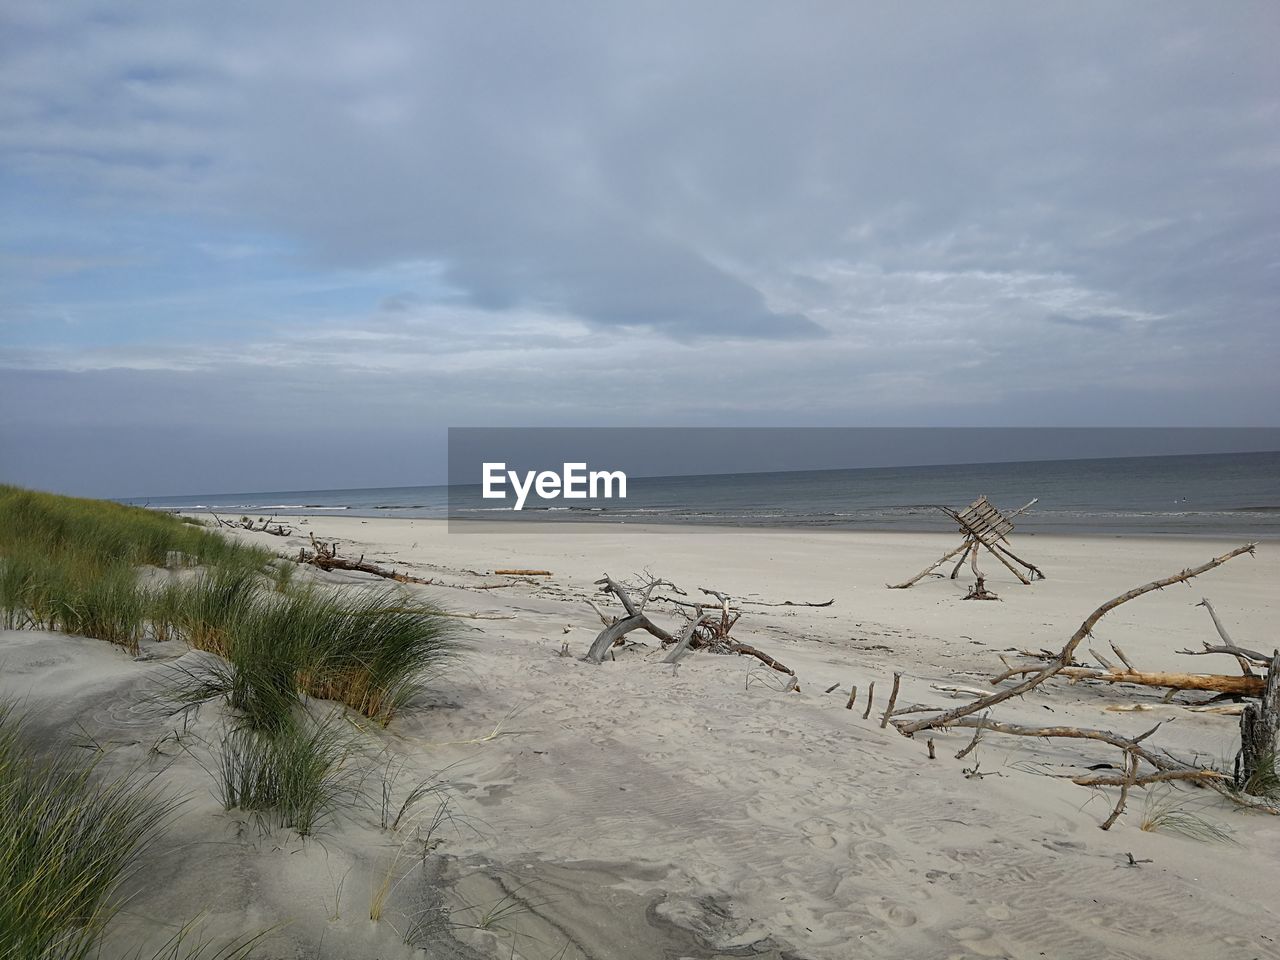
(238,240)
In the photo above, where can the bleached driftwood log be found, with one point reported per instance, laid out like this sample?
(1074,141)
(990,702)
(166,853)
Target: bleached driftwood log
(324,556)
(707,627)
(636,619)
(1218,683)
(261,525)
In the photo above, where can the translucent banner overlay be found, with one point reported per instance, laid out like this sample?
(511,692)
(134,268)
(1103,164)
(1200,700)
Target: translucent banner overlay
(1161,481)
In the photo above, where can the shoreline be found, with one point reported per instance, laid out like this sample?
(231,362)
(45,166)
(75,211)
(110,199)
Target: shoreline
(575,526)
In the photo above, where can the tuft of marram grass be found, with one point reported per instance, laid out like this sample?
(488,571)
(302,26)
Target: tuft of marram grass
(1168,811)
(375,651)
(68,839)
(1264,780)
(369,649)
(205,610)
(294,776)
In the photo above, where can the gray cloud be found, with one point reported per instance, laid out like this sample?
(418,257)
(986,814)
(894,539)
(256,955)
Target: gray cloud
(846,213)
(1094,321)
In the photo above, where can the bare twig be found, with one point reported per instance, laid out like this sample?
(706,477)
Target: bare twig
(977,738)
(1226,637)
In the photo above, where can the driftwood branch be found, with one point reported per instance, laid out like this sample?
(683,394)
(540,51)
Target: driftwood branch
(261,525)
(1164,767)
(1127,781)
(929,569)
(1260,659)
(1227,642)
(1068,651)
(324,556)
(753,603)
(686,635)
(750,651)
(709,627)
(1218,683)
(635,619)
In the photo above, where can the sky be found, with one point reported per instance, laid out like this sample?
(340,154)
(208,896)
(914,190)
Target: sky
(286,245)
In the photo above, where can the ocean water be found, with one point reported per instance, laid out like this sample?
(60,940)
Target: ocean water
(1219,495)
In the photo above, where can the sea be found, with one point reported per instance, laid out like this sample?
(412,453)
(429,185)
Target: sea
(1212,495)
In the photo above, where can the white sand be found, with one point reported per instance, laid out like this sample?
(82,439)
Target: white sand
(641,813)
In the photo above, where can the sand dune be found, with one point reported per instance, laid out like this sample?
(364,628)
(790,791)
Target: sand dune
(631,810)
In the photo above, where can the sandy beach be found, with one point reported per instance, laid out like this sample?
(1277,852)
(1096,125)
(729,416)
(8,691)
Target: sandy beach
(633,810)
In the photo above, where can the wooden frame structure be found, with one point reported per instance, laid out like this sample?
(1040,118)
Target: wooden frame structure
(983,526)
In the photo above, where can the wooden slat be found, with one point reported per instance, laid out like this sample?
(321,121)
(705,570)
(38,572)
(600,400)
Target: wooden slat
(983,519)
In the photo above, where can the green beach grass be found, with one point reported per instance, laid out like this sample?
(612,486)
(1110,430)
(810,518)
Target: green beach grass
(128,576)
(75,566)
(68,840)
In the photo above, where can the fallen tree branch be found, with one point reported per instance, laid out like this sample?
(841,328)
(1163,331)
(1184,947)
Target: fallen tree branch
(789,603)
(1226,637)
(686,635)
(1160,776)
(262,525)
(1240,653)
(750,651)
(933,566)
(636,619)
(324,556)
(1216,682)
(755,603)
(707,628)
(1128,780)
(1065,656)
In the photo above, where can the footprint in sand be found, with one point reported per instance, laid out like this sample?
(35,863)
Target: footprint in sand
(877,857)
(818,833)
(979,941)
(893,914)
(965,855)
(999,911)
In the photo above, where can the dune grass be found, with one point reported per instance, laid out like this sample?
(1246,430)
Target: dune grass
(1264,781)
(376,647)
(294,776)
(1171,811)
(68,839)
(73,565)
(113,533)
(367,648)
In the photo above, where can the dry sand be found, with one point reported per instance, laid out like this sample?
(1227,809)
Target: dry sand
(631,811)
